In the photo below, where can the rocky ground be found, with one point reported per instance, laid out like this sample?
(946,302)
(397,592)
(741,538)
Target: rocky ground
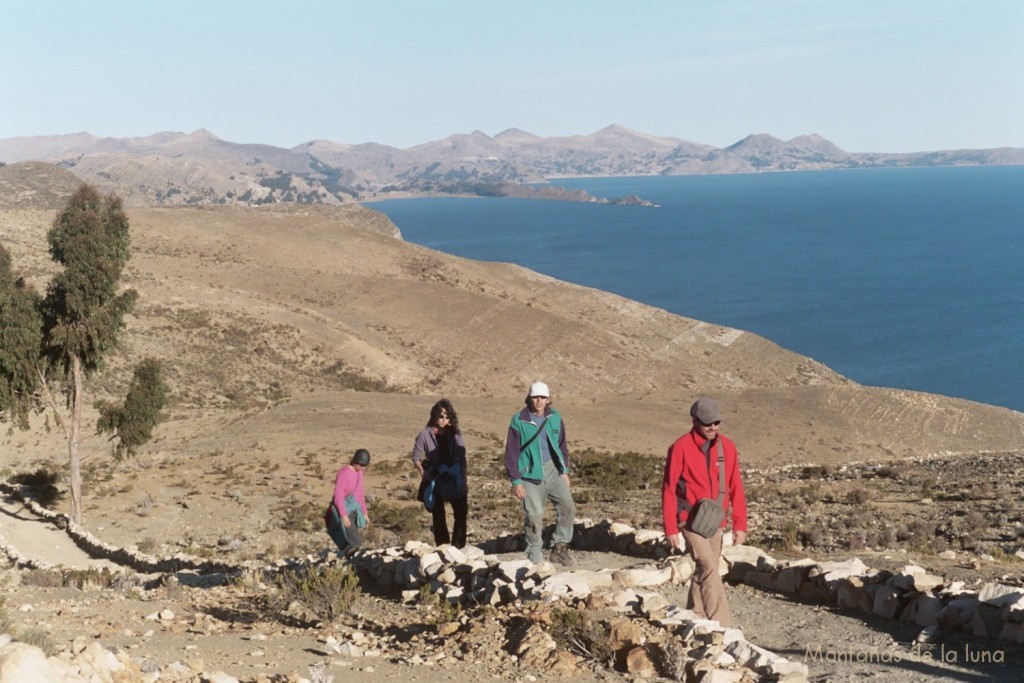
(178,631)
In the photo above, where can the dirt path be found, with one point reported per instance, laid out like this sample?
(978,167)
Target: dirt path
(39,540)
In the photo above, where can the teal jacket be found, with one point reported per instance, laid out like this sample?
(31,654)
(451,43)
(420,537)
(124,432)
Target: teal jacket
(522,446)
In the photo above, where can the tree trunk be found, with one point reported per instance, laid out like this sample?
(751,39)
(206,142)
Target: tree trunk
(76,421)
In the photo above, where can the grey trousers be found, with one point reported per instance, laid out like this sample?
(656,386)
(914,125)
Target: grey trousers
(554,488)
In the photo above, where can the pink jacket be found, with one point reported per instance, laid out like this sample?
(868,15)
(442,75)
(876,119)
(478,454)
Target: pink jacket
(349,481)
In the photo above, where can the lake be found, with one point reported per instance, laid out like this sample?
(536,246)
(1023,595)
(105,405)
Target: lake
(908,278)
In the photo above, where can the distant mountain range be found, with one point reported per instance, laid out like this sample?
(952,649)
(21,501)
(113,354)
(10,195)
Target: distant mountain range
(201,169)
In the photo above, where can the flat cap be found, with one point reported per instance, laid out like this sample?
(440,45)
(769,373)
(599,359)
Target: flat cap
(706,410)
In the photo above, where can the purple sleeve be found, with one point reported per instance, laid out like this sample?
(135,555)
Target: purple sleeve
(564,447)
(461,444)
(512,456)
(419,448)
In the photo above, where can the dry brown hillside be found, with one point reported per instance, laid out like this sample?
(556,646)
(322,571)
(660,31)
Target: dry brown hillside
(258,312)
(292,336)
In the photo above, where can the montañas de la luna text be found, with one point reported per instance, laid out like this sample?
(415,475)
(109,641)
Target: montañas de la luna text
(917,653)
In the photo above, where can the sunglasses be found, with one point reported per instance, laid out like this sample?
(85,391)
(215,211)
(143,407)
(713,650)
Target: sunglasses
(710,424)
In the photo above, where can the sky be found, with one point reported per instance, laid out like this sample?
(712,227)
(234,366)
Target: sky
(868,75)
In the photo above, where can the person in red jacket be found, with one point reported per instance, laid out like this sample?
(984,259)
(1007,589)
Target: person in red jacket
(691,473)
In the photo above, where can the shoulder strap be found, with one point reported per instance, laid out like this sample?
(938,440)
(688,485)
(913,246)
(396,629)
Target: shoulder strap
(721,471)
(540,428)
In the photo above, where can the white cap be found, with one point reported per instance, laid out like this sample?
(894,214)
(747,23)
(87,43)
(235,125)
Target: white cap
(538,389)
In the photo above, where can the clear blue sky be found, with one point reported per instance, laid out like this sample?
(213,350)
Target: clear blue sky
(869,75)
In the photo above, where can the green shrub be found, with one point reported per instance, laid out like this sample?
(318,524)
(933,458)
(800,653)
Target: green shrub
(325,592)
(404,521)
(617,472)
(441,611)
(858,496)
(44,578)
(815,472)
(95,579)
(40,639)
(786,539)
(583,635)
(148,545)
(305,517)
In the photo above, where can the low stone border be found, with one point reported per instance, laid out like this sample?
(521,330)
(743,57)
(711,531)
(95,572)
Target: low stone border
(995,611)
(912,594)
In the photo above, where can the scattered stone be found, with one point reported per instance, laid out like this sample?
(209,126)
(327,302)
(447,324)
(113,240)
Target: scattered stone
(638,663)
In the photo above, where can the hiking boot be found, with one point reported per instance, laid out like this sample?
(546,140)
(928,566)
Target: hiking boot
(560,555)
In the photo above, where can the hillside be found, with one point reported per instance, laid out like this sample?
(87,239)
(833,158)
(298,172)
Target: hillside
(198,168)
(263,309)
(294,334)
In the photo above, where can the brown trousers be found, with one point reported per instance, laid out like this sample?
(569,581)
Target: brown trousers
(707,592)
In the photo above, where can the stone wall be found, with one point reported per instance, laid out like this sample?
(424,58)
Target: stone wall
(476,575)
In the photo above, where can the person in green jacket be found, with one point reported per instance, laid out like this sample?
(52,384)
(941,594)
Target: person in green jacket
(537,462)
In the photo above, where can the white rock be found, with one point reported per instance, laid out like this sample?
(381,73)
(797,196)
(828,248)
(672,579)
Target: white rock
(731,635)
(643,576)
(620,529)
(428,560)
(514,570)
(750,655)
(101,662)
(834,571)
(219,677)
(999,594)
(565,583)
(644,536)
(451,554)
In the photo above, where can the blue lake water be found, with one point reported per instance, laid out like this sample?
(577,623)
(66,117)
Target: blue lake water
(908,278)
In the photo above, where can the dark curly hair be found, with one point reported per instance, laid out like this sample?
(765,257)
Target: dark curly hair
(444,405)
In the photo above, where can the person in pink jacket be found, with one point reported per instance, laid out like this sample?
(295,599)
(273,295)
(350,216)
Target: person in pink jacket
(691,473)
(348,515)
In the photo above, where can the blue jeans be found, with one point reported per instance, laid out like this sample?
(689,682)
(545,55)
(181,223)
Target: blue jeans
(554,488)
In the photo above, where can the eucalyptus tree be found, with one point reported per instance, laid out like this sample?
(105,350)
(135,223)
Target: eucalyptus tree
(73,327)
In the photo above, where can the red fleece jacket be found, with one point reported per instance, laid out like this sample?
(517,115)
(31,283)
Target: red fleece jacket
(685,460)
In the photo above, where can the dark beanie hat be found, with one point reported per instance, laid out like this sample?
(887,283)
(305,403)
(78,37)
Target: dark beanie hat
(361,457)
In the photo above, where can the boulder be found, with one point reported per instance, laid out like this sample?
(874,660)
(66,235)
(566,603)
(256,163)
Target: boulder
(887,602)
(853,594)
(790,577)
(923,610)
